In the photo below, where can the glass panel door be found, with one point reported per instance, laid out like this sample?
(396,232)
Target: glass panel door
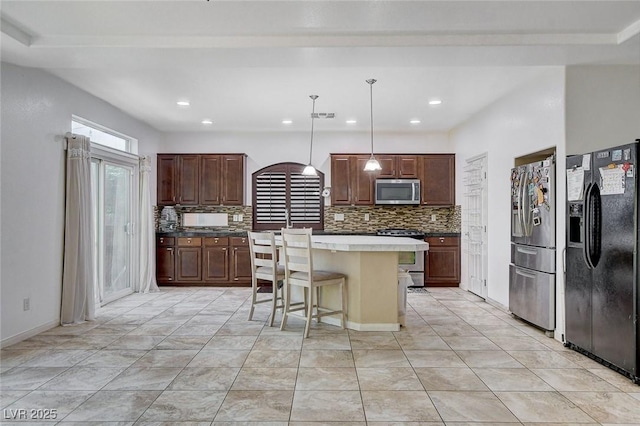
(117,237)
(114,210)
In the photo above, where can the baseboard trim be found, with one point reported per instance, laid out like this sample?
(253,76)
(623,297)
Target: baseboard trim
(362,327)
(29,333)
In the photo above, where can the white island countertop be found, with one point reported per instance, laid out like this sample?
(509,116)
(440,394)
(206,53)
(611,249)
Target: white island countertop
(366,243)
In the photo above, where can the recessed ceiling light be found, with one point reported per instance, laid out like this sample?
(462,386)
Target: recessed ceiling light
(414,121)
(287,121)
(206,121)
(351,121)
(435,102)
(183,103)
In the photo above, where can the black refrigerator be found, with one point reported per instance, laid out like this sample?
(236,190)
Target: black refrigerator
(601,284)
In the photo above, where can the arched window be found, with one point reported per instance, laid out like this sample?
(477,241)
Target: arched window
(282,189)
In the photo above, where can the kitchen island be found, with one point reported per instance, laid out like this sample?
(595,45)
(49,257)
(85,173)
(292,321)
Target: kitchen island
(371,266)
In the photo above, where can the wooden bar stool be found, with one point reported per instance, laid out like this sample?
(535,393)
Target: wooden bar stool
(298,265)
(264,266)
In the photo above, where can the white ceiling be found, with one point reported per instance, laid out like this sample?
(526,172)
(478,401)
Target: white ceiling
(248,65)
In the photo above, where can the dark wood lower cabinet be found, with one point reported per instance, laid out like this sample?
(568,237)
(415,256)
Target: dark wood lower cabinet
(216,263)
(189,265)
(240,260)
(442,262)
(210,261)
(165,259)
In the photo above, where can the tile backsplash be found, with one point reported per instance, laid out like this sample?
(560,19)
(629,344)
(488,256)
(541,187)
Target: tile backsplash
(244,225)
(447,219)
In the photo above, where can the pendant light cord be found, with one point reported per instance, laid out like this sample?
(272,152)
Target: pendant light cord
(313,110)
(371,81)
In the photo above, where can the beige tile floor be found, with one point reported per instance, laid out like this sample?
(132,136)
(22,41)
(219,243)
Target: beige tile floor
(189,356)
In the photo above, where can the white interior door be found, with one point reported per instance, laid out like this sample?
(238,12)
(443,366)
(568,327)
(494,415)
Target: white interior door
(115,186)
(474,224)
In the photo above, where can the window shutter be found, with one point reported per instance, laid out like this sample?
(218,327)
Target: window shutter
(305,198)
(283,186)
(271,197)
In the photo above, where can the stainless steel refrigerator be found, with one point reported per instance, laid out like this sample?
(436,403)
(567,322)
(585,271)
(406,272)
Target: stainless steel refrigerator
(601,294)
(532,279)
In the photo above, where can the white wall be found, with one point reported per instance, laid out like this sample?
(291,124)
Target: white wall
(36,113)
(529,119)
(603,107)
(268,148)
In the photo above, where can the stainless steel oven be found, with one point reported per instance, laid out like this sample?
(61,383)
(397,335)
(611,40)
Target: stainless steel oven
(411,261)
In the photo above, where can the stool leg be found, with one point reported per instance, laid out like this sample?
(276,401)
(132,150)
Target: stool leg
(343,305)
(309,312)
(274,299)
(253,297)
(286,291)
(318,304)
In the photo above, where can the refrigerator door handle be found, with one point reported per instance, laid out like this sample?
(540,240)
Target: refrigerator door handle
(586,238)
(526,251)
(525,274)
(521,204)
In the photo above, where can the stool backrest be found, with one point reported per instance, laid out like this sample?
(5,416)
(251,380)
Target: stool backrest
(262,246)
(297,250)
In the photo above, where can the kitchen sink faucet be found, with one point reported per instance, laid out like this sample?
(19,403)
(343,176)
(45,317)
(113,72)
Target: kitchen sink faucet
(287,218)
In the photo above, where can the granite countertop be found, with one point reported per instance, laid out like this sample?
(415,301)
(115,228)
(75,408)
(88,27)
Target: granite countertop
(365,243)
(441,234)
(214,233)
(201,233)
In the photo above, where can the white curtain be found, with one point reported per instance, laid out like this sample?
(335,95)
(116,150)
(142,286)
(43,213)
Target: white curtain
(147,231)
(78,303)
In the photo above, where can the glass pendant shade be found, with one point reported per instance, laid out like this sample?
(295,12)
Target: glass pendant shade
(372,165)
(309,171)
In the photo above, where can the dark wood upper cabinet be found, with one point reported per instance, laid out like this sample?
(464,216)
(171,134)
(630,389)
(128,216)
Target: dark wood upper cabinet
(232,179)
(398,166)
(340,180)
(407,166)
(189,181)
(388,164)
(201,179)
(362,182)
(210,187)
(167,179)
(350,184)
(438,179)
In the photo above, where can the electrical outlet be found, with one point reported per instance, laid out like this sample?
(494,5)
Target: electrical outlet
(26,304)
(240,218)
(235,217)
(339,217)
(433,218)
(366,217)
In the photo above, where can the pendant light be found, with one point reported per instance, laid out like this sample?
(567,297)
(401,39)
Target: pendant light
(372,164)
(310,170)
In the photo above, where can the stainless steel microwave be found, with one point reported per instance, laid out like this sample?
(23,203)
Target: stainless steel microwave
(397,191)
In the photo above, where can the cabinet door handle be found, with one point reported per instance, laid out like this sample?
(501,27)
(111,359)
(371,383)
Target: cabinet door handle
(441,240)
(162,240)
(174,198)
(224,249)
(188,240)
